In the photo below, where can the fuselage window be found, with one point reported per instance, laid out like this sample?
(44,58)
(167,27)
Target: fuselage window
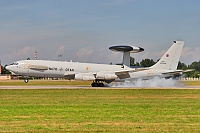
(68,69)
(53,68)
(50,68)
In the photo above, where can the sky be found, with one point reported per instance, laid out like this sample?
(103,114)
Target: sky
(83,30)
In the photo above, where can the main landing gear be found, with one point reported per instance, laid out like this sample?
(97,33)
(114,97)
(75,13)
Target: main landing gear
(97,84)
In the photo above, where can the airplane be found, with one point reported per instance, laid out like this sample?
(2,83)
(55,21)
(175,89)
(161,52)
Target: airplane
(166,67)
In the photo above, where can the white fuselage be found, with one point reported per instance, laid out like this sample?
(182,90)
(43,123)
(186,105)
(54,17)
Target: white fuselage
(58,69)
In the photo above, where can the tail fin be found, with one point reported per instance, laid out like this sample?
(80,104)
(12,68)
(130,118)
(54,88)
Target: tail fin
(170,59)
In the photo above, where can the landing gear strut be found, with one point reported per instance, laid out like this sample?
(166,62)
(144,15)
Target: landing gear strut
(97,84)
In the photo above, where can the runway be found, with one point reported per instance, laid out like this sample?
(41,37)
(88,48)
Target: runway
(44,87)
(88,87)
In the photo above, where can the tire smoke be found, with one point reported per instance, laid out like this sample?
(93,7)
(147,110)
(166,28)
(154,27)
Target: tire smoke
(155,82)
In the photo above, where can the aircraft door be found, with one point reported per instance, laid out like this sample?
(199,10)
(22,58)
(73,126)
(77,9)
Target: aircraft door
(24,67)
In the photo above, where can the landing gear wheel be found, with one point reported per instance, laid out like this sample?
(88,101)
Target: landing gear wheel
(94,84)
(101,85)
(26,80)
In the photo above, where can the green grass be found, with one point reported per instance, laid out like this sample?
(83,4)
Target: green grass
(91,110)
(191,83)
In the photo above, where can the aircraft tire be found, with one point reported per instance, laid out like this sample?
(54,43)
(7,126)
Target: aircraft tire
(94,84)
(26,80)
(97,84)
(101,85)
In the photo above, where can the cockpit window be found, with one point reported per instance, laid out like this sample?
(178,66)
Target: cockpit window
(14,63)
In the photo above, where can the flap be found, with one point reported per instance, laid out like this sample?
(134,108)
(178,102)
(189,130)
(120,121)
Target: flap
(69,73)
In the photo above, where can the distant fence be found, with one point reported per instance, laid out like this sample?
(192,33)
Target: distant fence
(190,79)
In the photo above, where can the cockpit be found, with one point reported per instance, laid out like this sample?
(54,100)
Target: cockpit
(13,67)
(14,63)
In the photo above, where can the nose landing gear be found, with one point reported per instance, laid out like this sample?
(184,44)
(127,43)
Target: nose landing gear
(26,80)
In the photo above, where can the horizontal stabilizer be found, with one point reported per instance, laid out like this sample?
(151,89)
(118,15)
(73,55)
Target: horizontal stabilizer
(178,72)
(188,70)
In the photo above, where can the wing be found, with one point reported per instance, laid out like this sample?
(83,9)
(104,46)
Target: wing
(69,75)
(103,75)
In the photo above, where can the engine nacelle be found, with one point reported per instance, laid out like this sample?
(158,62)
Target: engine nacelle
(84,77)
(103,76)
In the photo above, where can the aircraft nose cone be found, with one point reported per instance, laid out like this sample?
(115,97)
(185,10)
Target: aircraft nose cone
(8,68)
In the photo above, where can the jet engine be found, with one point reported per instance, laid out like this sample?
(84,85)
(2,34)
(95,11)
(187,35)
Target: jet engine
(103,76)
(84,77)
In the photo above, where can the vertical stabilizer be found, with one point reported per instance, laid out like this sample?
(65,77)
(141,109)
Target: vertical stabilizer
(170,59)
